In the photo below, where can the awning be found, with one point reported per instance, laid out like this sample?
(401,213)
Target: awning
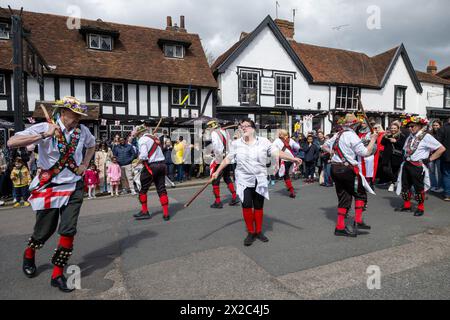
(93,112)
(438,112)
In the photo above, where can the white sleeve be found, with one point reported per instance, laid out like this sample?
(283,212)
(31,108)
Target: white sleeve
(272,148)
(329,143)
(294,145)
(431,142)
(357,145)
(233,151)
(34,129)
(89,142)
(217,143)
(143,150)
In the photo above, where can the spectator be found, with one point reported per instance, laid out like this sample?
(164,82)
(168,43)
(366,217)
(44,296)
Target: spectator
(125,155)
(325,157)
(164,137)
(114,176)
(311,155)
(434,166)
(167,150)
(178,159)
(102,160)
(445,159)
(378,129)
(392,158)
(319,142)
(20,176)
(3,173)
(91,179)
(116,141)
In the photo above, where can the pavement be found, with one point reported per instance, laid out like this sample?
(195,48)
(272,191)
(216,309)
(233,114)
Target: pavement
(199,253)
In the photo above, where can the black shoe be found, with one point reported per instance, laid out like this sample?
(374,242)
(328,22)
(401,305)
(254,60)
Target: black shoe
(262,237)
(418,213)
(344,233)
(403,209)
(249,240)
(166,218)
(29,267)
(142,216)
(292,195)
(61,283)
(361,225)
(216,205)
(234,202)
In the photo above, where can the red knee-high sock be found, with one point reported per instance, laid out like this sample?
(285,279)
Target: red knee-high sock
(30,253)
(248,218)
(65,242)
(233,192)
(407,203)
(143,200)
(164,200)
(288,183)
(359,205)
(259,220)
(216,191)
(342,212)
(421,205)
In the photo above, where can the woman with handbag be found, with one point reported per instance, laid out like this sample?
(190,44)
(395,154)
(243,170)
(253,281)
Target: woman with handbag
(392,158)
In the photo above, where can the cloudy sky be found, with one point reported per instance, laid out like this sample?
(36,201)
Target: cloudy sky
(422,25)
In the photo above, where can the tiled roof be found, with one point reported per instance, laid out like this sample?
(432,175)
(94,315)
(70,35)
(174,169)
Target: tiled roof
(430,78)
(136,55)
(444,73)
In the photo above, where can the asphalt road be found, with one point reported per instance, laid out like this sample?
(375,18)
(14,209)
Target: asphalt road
(199,253)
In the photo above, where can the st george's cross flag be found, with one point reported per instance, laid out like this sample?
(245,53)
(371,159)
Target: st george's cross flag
(51,196)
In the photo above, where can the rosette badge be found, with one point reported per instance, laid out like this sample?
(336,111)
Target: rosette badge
(73,104)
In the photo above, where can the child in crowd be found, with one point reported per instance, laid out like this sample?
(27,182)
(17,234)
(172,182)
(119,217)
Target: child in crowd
(91,179)
(21,179)
(114,175)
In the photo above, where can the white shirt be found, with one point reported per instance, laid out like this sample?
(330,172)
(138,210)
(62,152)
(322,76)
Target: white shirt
(145,144)
(350,145)
(427,145)
(217,144)
(280,145)
(251,160)
(49,152)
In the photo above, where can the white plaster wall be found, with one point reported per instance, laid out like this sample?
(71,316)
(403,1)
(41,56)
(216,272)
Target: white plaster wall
(132,103)
(154,101)
(80,90)
(64,88)
(164,102)
(209,105)
(143,104)
(432,96)
(49,89)
(33,93)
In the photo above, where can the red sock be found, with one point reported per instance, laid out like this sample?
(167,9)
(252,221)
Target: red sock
(233,192)
(359,205)
(248,218)
(29,253)
(65,242)
(143,200)
(216,191)
(421,206)
(341,219)
(288,183)
(407,204)
(164,200)
(258,220)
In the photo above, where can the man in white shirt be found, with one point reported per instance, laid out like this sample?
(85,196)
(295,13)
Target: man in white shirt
(154,170)
(345,147)
(220,145)
(414,171)
(288,145)
(57,192)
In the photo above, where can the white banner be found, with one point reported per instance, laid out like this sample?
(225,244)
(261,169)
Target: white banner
(307,124)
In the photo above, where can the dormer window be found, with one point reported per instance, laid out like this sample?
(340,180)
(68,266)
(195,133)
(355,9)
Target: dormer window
(174,51)
(100,42)
(4,31)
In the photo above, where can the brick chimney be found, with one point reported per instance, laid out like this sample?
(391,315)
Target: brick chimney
(286,27)
(169,23)
(432,68)
(182,25)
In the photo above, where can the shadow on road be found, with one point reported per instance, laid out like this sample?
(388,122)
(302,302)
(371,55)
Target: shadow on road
(103,257)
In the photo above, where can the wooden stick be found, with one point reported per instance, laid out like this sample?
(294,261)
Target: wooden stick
(360,105)
(47,117)
(198,193)
(230,126)
(157,126)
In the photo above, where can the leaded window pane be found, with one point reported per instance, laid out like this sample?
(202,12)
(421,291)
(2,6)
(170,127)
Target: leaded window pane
(106,43)
(107,92)
(118,93)
(94,41)
(96,91)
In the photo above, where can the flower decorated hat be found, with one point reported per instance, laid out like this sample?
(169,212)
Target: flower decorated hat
(348,120)
(72,104)
(409,120)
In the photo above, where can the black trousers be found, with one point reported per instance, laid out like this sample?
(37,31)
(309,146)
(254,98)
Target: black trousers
(159,170)
(344,181)
(310,169)
(226,174)
(47,220)
(252,199)
(287,166)
(412,176)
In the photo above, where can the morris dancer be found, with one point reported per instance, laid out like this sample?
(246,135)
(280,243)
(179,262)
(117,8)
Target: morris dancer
(349,181)
(366,164)
(287,145)
(414,170)
(153,170)
(220,145)
(251,154)
(57,192)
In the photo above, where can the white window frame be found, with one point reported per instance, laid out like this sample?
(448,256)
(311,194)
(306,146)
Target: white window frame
(402,91)
(8,35)
(447,97)
(180,98)
(240,94)
(347,98)
(174,47)
(100,42)
(3,90)
(113,93)
(290,77)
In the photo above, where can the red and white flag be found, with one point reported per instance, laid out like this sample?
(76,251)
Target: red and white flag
(51,197)
(31,120)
